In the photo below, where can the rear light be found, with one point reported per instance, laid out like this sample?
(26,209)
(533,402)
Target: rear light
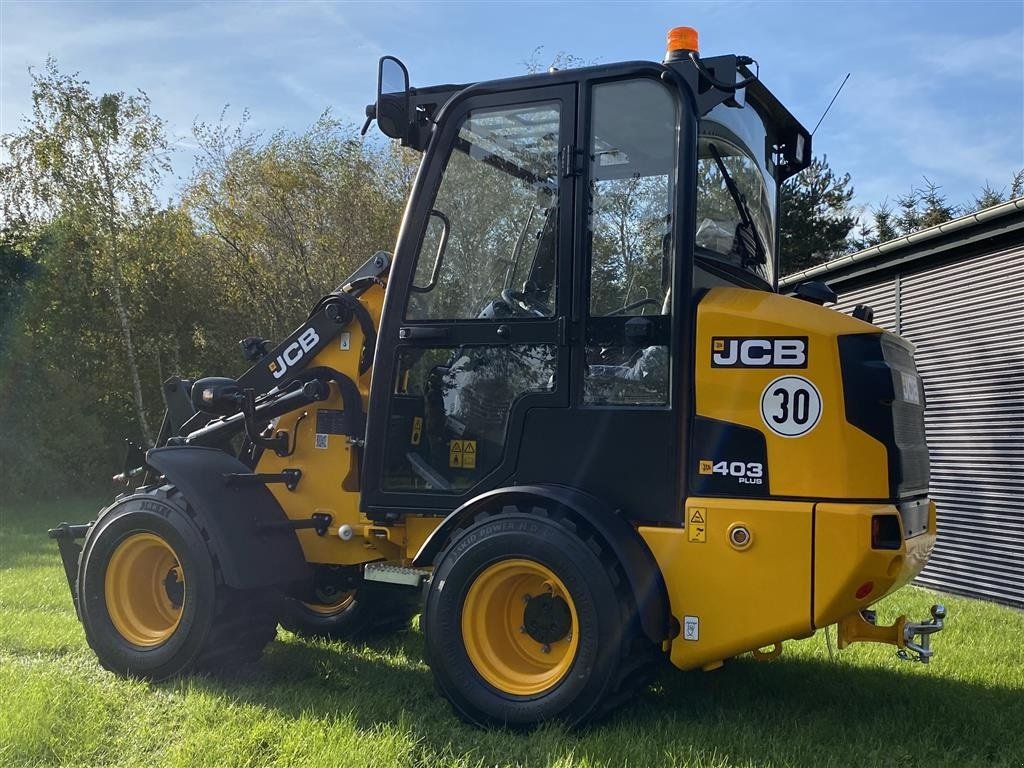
(864,590)
(885,532)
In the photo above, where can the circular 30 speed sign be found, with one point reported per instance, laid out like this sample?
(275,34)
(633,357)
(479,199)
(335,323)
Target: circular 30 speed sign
(791,406)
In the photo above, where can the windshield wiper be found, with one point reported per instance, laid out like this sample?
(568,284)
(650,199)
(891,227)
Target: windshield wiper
(752,250)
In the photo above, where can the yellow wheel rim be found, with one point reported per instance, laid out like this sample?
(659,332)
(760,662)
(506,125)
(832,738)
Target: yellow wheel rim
(333,607)
(495,635)
(145,590)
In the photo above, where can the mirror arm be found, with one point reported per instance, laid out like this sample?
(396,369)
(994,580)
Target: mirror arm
(371,115)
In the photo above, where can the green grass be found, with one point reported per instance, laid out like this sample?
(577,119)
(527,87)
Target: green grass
(330,704)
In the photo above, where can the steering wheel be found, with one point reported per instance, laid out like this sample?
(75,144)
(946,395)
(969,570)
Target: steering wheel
(630,307)
(520,303)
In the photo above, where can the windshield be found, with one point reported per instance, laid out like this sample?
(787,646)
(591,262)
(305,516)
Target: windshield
(735,226)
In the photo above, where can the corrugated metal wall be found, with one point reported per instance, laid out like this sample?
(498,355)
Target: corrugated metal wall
(967,320)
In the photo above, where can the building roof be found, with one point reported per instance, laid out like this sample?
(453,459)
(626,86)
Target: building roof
(987,229)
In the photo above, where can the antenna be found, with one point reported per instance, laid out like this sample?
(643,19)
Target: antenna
(831,103)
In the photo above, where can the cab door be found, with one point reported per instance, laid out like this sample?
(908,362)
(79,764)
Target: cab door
(473,333)
(622,438)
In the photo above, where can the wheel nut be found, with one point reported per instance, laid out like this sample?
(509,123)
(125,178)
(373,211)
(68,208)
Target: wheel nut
(526,599)
(522,628)
(545,648)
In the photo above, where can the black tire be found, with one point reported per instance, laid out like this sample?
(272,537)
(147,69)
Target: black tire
(612,658)
(216,627)
(369,611)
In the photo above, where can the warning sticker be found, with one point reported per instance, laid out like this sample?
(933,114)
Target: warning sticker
(706,467)
(696,525)
(417,430)
(462,454)
(691,628)
(321,440)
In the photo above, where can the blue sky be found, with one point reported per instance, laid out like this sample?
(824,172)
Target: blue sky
(937,88)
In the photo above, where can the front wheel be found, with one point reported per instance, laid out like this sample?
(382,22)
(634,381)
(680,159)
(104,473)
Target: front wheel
(151,600)
(528,619)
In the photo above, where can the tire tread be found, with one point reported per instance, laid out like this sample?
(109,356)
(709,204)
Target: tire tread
(639,658)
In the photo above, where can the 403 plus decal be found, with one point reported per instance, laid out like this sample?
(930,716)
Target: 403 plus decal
(743,472)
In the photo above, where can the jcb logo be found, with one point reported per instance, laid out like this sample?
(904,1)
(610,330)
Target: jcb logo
(294,352)
(768,352)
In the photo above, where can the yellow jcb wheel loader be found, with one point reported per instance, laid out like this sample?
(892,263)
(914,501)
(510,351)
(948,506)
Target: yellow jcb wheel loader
(571,411)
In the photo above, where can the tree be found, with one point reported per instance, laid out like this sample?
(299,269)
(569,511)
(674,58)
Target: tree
(94,163)
(816,216)
(16,269)
(990,196)
(864,234)
(290,216)
(924,207)
(885,224)
(561,60)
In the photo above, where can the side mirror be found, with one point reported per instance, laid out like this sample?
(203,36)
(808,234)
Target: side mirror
(218,395)
(393,113)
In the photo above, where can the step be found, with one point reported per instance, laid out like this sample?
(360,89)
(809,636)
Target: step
(394,574)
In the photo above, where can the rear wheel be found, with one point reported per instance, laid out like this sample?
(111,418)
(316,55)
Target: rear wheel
(528,619)
(366,611)
(152,602)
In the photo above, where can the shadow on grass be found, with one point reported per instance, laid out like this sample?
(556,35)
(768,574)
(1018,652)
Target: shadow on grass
(792,712)
(795,711)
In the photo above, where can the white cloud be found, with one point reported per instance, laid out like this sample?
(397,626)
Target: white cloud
(999,56)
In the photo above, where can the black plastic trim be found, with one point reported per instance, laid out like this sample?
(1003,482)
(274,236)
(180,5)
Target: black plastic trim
(233,516)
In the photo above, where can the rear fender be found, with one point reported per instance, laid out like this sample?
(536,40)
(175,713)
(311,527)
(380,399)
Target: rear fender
(239,519)
(642,572)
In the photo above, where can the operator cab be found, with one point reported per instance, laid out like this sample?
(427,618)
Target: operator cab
(542,285)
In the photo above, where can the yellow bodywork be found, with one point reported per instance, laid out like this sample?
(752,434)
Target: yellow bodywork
(741,599)
(845,561)
(330,467)
(800,571)
(835,460)
(742,574)
(798,565)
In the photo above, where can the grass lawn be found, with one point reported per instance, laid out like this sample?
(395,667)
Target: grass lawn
(330,704)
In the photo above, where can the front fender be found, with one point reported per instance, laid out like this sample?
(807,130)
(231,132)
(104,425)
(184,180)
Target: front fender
(642,572)
(239,519)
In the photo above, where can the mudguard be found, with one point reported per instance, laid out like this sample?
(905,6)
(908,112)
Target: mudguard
(642,572)
(240,520)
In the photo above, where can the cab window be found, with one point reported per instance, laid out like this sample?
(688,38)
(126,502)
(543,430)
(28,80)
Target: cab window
(632,158)
(489,251)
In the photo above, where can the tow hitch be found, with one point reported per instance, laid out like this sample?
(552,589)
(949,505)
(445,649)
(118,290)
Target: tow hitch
(860,627)
(921,651)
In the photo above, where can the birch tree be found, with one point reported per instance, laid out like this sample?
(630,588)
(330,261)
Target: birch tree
(93,162)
